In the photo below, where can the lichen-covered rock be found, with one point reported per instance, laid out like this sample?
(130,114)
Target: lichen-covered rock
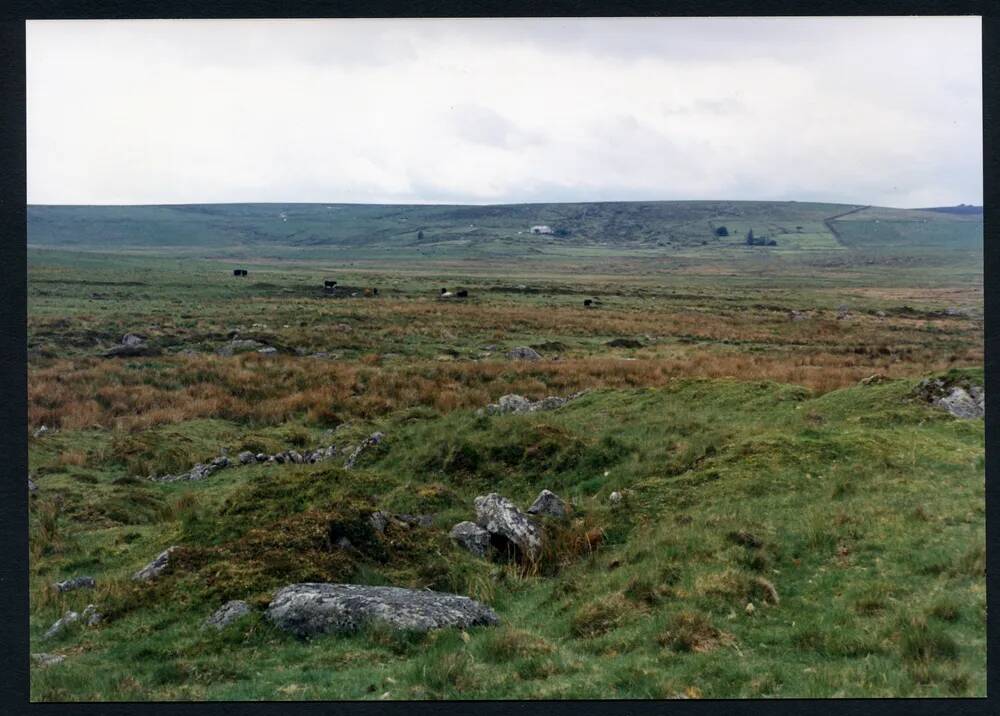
(43,659)
(91,615)
(246,457)
(965,404)
(548,503)
(154,568)
(238,346)
(959,396)
(60,624)
(132,339)
(501,518)
(523,353)
(318,608)
(379,520)
(518,404)
(227,614)
(82,582)
(32,487)
(472,537)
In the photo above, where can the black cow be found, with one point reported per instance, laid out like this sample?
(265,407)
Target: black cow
(239,272)
(588,302)
(462,294)
(329,284)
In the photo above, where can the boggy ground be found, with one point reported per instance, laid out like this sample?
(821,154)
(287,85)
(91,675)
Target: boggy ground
(754,468)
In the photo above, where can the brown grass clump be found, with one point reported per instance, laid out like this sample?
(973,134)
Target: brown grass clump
(597,618)
(691,631)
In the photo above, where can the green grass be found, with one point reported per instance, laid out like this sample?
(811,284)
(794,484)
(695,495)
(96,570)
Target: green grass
(879,571)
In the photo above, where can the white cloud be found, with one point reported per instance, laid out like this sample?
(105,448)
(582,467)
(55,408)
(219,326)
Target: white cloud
(879,110)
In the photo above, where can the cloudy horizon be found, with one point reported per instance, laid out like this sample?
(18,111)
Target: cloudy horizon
(884,111)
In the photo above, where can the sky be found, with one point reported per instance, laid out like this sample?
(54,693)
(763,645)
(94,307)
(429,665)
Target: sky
(884,111)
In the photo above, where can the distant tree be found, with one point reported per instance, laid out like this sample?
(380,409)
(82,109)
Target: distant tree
(420,235)
(722,231)
(561,232)
(750,239)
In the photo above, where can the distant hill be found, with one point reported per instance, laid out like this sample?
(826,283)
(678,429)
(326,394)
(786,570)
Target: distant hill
(960,209)
(702,226)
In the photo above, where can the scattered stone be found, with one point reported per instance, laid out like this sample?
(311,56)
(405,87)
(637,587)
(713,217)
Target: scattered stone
(227,614)
(132,339)
(875,379)
(318,608)
(880,315)
(132,351)
(416,520)
(843,312)
(518,404)
(501,518)
(370,441)
(61,624)
(523,353)
(548,503)
(32,487)
(624,343)
(154,568)
(343,328)
(246,457)
(201,471)
(41,432)
(795,315)
(43,659)
(82,582)
(472,537)
(91,615)
(267,350)
(750,609)
(238,345)
(615,498)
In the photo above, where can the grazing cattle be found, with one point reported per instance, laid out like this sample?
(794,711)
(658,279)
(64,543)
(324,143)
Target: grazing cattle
(588,302)
(462,294)
(445,293)
(239,272)
(329,284)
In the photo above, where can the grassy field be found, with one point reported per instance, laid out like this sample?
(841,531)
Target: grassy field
(755,468)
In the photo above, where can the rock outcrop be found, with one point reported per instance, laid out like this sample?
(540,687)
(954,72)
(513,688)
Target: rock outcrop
(959,396)
(203,470)
(314,608)
(504,521)
(515,404)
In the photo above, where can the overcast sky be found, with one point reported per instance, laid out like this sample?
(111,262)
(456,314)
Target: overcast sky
(884,111)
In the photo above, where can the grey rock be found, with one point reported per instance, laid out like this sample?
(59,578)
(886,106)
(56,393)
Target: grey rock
(81,582)
(267,350)
(472,537)
(295,457)
(965,404)
(91,615)
(246,457)
(132,339)
(314,608)
(261,457)
(227,614)
(379,521)
(499,516)
(523,353)
(32,487)
(518,405)
(61,624)
(548,503)
(416,520)
(154,568)
(370,441)
(615,498)
(41,432)
(43,659)
(797,316)
(238,346)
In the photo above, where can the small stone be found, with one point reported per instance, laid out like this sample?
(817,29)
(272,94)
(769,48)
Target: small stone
(548,503)
(523,353)
(69,585)
(472,537)
(246,457)
(379,521)
(615,498)
(750,609)
(154,568)
(62,623)
(43,659)
(227,614)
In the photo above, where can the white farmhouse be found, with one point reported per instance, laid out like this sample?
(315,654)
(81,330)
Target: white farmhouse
(541,229)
